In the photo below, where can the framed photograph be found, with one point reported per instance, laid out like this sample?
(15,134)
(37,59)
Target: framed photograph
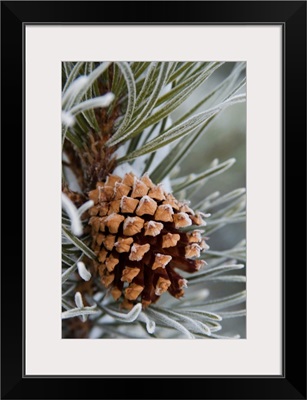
(162,150)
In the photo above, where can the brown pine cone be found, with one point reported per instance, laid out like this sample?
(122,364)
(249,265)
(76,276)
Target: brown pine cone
(137,237)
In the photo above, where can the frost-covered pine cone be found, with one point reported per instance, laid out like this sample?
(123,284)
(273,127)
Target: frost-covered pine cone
(137,236)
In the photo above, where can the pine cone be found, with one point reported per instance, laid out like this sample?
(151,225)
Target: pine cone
(137,237)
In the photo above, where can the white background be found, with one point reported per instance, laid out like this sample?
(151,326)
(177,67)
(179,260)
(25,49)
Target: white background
(46,352)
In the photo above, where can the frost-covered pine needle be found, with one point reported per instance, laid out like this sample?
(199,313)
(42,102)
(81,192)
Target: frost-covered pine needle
(83,272)
(72,212)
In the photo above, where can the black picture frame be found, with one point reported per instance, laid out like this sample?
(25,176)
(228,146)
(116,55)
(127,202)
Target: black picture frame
(291,15)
